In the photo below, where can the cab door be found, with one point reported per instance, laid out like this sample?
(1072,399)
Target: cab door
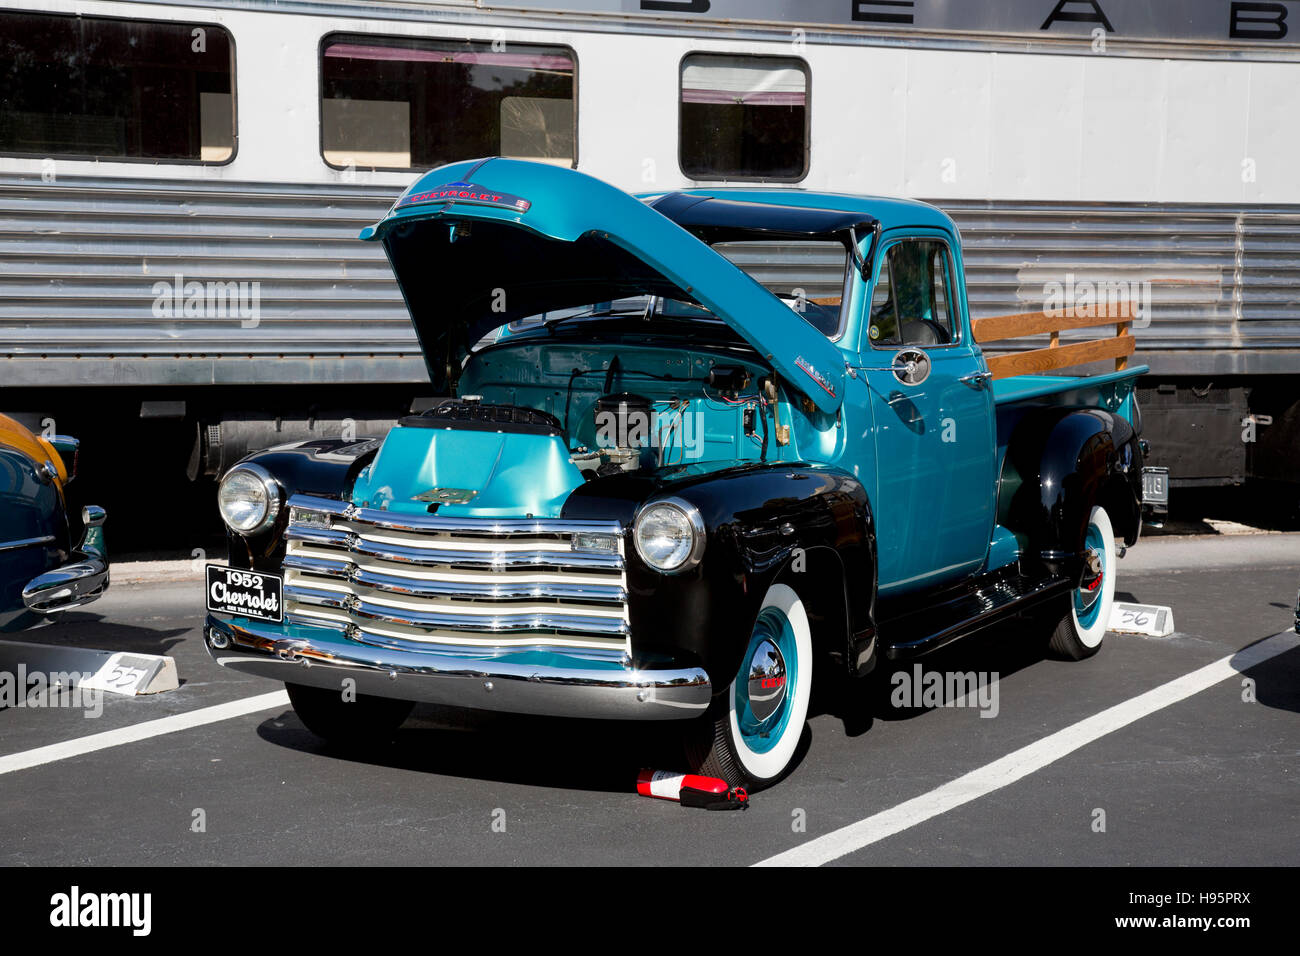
(934,423)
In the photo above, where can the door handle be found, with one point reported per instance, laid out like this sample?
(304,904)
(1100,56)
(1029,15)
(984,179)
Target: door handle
(976,379)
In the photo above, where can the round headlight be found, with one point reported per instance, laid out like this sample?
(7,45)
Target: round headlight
(248,498)
(669,535)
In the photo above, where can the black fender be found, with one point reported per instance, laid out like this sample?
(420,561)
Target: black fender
(31,506)
(806,525)
(325,467)
(1060,463)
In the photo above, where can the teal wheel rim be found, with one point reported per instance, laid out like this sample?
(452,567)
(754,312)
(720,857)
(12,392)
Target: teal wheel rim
(761,735)
(1087,603)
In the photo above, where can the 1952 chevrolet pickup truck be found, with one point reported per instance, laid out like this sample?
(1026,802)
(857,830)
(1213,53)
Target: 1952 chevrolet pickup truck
(665,490)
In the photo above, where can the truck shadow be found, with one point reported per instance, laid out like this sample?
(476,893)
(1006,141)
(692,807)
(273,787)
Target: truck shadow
(605,756)
(599,756)
(889,693)
(557,753)
(92,630)
(892,691)
(1276,681)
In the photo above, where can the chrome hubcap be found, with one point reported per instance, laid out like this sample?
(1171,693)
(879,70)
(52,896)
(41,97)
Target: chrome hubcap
(767,681)
(1090,585)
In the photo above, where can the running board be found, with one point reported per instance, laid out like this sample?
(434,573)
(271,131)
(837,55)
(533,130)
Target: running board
(925,630)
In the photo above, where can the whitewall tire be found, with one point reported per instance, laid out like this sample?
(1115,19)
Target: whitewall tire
(1080,632)
(753,731)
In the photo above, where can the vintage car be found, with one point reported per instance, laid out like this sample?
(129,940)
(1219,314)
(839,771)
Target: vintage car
(41,573)
(665,490)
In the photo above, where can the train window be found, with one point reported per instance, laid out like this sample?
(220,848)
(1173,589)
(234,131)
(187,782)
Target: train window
(744,117)
(98,88)
(390,103)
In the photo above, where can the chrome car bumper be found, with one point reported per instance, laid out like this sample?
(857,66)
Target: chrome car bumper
(81,580)
(521,680)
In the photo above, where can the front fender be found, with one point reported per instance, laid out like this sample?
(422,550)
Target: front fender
(34,534)
(807,525)
(324,467)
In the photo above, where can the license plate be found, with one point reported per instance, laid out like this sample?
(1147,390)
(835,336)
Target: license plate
(1155,486)
(245,593)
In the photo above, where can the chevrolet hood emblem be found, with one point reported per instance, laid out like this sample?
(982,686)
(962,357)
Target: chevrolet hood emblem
(446,496)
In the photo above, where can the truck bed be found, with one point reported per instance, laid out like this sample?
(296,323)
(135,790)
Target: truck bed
(1100,390)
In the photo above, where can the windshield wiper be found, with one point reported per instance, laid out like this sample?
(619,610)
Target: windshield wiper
(588,314)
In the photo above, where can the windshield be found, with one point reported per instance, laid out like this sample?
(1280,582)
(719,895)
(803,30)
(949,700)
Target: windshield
(645,306)
(809,276)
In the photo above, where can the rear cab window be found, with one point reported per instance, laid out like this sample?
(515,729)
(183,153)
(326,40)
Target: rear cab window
(808,276)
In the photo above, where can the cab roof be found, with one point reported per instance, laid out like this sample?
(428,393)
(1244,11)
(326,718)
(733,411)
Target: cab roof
(821,210)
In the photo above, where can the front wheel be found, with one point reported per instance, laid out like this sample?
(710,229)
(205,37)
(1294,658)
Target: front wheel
(345,721)
(1081,629)
(751,733)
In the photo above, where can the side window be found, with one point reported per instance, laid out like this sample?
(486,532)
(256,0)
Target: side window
(411,103)
(911,301)
(744,117)
(119,90)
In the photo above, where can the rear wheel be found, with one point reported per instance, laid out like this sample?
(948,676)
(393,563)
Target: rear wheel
(750,735)
(1080,631)
(327,714)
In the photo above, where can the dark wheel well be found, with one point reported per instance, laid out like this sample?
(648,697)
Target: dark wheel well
(820,583)
(1123,508)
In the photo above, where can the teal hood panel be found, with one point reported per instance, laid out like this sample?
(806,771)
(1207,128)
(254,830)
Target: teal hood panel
(501,474)
(475,245)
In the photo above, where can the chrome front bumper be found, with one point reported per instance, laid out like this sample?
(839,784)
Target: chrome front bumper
(525,680)
(81,580)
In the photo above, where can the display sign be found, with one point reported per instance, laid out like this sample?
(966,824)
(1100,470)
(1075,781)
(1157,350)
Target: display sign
(245,593)
(1153,620)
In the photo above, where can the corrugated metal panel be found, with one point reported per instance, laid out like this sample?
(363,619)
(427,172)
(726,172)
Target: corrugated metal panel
(89,269)
(81,261)
(816,268)
(1224,283)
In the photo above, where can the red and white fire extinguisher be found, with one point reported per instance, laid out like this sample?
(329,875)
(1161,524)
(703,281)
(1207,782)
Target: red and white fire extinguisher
(691,790)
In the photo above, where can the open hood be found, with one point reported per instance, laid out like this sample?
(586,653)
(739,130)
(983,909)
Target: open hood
(475,245)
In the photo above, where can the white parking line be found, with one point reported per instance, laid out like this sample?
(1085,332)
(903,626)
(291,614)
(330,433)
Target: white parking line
(142,731)
(1026,760)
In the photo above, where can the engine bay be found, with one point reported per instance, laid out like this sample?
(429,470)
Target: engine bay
(625,408)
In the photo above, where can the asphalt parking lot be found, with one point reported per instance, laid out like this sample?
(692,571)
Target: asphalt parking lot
(1070,770)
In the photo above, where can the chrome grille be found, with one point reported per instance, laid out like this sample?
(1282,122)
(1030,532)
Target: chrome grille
(473,582)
